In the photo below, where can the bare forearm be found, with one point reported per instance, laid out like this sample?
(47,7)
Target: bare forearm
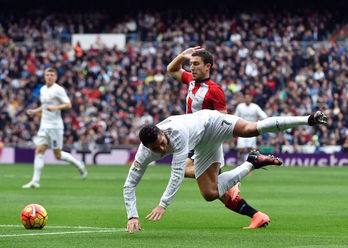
(63,106)
(176,63)
(37,110)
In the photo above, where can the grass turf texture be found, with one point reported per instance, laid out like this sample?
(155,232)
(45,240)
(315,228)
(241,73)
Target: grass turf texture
(307,207)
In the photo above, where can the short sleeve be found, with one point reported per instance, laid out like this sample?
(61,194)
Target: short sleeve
(62,96)
(218,99)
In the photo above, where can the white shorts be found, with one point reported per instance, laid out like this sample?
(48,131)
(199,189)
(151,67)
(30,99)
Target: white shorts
(246,142)
(209,150)
(53,138)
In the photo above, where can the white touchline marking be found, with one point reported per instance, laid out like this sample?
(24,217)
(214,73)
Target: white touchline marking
(60,233)
(65,227)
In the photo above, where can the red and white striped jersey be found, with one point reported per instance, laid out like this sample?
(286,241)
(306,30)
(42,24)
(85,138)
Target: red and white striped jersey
(203,95)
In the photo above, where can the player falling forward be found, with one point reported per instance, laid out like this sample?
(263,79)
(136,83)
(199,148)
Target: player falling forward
(53,99)
(203,131)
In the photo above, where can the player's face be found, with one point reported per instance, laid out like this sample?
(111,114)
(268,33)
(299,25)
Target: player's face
(248,98)
(199,70)
(50,78)
(160,145)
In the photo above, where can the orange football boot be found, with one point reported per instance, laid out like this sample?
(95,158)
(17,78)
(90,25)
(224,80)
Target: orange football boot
(259,220)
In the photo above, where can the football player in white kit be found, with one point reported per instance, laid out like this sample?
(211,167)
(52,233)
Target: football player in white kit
(53,99)
(251,112)
(203,131)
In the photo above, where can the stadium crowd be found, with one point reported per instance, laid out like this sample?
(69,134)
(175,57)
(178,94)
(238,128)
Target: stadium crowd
(293,63)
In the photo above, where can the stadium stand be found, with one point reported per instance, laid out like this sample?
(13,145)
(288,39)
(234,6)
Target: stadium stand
(292,61)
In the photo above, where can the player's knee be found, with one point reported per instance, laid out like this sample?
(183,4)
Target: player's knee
(250,130)
(57,155)
(40,150)
(210,196)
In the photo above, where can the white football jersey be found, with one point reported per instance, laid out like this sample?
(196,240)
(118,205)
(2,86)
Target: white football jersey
(184,133)
(251,112)
(53,95)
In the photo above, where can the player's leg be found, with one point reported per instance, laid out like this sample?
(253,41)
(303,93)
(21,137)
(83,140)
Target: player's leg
(67,157)
(214,186)
(240,154)
(245,128)
(207,182)
(189,169)
(236,203)
(41,141)
(250,146)
(242,145)
(56,138)
(38,166)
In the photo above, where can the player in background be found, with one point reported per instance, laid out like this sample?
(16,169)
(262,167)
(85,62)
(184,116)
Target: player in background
(203,131)
(249,111)
(203,93)
(53,99)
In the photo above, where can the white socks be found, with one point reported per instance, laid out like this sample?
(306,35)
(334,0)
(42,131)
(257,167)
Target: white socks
(280,123)
(67,157)
(230,178)
(38,166)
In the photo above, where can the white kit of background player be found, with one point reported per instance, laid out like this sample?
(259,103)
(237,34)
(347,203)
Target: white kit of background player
(249,111)
(50,135)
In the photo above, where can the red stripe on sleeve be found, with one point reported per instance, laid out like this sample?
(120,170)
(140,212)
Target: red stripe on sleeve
(186,77)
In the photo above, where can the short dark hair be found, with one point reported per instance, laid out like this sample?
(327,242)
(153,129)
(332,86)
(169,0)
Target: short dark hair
(149,134)
(206,56)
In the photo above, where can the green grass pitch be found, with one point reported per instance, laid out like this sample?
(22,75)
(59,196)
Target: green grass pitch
(308,207)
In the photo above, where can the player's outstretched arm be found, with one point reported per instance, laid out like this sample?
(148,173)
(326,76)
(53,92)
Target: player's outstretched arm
(133,224)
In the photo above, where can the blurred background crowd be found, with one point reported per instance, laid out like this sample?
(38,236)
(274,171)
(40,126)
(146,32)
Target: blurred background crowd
(292,61)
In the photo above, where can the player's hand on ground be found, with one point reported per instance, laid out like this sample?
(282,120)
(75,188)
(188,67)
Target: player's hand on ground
(156,213)
(51,107)
(188,52)
(133,224)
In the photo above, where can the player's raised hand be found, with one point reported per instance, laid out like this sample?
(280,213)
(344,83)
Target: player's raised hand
(156,213)
(188,52)
(133,224)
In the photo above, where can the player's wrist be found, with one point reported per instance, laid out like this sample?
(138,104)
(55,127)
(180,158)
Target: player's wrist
(163,205)
(132,218)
